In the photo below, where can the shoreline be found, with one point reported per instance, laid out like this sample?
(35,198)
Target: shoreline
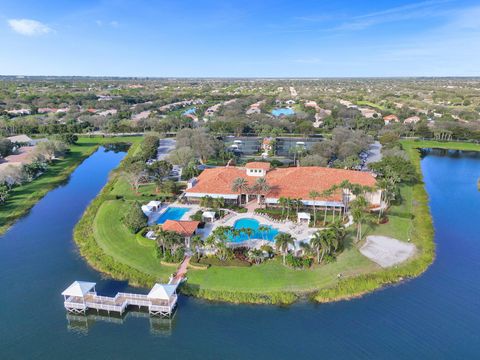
(345,289)
(56,174)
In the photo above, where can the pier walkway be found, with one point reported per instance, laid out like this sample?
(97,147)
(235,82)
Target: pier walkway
(161,300)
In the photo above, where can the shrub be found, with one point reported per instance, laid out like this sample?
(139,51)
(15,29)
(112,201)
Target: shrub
(197,216)
(298,262)
(134,218)
(68,138)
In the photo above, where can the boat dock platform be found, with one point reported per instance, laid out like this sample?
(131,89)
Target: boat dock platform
(81,296)
(160,301)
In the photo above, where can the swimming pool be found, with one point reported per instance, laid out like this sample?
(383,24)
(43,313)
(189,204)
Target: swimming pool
(190,111)
(283,111)
(172,213)
(253,224)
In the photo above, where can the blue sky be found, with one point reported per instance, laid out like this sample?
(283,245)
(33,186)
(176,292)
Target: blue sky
(240,38)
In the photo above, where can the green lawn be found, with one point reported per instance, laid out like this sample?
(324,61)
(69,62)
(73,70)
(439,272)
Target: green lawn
(273,276)
(24,197)
(371,104)
(117,241)
(413,145)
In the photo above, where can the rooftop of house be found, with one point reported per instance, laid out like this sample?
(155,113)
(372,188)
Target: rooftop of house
(184,228)
(293,182)
(390,117)
(20,139)
(258,165)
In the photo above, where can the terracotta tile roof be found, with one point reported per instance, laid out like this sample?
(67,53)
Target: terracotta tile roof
(293,182)
(258,165)
(390,117)
(184,228)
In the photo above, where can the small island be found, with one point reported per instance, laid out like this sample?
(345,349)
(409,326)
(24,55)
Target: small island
(259,233)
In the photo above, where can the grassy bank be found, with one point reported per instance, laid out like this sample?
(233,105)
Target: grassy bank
(23,198)
(108,246)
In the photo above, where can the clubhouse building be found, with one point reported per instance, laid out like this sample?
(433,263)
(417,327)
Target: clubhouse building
(293,182)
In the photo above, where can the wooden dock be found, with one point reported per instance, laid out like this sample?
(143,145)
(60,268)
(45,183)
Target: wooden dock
(81,296)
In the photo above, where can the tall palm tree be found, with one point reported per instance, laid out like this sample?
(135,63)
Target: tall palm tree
(288,203)
(248,232)
(195,243)
(282,241)
(314,194)
(359,210)
(323,241)
(261,186)
(263,230)
(283,203)
(240,185)
(327,193)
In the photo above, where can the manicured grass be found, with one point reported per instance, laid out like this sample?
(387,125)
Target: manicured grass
(273,276)
(413,145)
(23,198)
(117,241)
(371,104)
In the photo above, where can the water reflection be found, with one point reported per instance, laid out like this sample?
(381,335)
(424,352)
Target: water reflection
(80,324)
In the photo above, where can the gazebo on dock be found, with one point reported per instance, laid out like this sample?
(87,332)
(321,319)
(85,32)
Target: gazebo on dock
(74,295)
(163,299)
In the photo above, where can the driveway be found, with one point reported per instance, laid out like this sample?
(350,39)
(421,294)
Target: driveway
(166,145)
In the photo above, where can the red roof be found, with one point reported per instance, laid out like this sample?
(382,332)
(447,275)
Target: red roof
(293,182)
(390,117)
(184,228)
(258,165)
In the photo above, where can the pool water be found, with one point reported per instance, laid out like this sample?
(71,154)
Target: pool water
(283,111)
(172,213)
(190,111)
(253,224)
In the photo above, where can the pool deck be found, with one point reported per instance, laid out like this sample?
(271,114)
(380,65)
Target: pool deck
(301,232)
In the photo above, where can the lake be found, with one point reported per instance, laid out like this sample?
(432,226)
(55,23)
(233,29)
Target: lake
(434,316)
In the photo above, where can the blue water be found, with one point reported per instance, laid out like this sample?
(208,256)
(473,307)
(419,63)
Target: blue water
(190,111)
(283,111)
(436,316)
(253,224)
(172,213)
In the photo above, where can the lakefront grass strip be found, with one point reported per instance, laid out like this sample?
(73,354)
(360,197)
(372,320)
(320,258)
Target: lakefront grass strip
(24,197)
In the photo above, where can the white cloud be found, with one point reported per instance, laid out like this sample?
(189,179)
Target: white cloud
(28,27)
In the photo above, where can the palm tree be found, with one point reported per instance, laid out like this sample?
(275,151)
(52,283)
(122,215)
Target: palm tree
(323,241)
(256,256)
(313,194)
(289,204)
(359,210)
(249,232)
(317,243)
(196,243)
(240,185)
(282,241)
(327,193)
(261,186)
(283,203)
(162,236)
(263,229)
